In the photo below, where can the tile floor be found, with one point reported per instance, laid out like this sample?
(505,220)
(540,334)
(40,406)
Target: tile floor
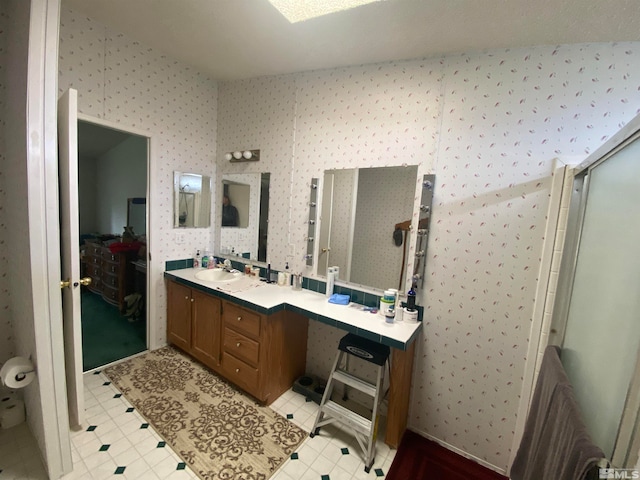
(119,444)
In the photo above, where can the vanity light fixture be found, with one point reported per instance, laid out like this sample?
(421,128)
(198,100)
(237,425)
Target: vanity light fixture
(242,156)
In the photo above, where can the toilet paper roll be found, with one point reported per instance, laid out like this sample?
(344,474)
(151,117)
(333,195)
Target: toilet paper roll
(409,316)
(12,413)
(17,372)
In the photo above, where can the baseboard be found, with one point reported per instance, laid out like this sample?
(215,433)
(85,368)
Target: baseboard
(462,453)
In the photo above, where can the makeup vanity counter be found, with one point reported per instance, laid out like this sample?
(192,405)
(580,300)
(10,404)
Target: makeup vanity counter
(276,317)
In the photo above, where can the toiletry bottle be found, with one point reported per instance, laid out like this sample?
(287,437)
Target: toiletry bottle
(287,274)
(205,260)
(213,263)
(411,299)
(196,259)
(268,279)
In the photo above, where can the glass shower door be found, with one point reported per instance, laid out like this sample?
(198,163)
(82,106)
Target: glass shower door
(602,334)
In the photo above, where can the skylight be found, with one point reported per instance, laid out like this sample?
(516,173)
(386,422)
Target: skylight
(300,10)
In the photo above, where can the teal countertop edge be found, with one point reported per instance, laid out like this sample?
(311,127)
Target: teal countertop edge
(291,308)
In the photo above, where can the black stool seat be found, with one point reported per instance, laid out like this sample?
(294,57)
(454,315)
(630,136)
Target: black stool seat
(367,350)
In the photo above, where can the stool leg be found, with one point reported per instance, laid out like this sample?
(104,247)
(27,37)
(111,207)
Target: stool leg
(371,445)
(326,396)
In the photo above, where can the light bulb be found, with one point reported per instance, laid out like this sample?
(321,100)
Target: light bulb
(247,154)
(228,156)
(237,155)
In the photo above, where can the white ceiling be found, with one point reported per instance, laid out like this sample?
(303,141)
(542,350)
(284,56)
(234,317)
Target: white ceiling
(233,39)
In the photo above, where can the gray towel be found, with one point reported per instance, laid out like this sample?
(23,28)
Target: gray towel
(555,444)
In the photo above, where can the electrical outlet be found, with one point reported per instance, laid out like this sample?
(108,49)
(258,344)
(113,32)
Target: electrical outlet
(179,238)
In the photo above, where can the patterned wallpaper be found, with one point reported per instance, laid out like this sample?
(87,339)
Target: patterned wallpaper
(487,124)
(260,114)
(121,81)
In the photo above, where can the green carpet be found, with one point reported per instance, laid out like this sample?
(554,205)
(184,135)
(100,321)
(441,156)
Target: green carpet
(108,336)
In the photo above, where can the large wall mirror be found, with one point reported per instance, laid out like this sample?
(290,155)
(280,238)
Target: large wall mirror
(364,224)
(245,215)
(192,200)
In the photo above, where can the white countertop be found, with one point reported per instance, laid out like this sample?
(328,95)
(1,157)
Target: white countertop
(250,292)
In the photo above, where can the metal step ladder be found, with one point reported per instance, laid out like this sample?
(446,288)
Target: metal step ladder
(364,429)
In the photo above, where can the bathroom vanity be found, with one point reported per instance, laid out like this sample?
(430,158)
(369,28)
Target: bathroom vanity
(261,354)
(257,338)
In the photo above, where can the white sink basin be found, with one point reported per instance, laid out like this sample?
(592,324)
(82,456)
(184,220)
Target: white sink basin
(218,275)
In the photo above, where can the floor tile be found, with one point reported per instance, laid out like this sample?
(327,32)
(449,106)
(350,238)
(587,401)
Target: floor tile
(142,453)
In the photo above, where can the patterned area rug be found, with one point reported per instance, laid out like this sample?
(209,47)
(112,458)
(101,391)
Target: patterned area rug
(217,430)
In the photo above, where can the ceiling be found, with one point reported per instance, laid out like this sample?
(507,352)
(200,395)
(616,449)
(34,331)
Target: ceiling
(96,140)
(234,39)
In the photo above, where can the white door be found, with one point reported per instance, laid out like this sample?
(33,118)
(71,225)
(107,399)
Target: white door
(70,251)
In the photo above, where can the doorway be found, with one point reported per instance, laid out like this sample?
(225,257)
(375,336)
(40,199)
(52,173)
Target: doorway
(113,212)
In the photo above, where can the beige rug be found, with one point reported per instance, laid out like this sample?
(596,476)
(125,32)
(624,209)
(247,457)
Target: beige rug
(218,431)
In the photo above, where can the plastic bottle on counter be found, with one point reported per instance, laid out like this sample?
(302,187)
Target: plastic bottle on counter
(411,299)
(205,260)
(196,259)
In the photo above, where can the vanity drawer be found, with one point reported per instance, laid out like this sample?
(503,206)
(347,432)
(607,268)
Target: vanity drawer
(240,346)
(242,320)
(240,373)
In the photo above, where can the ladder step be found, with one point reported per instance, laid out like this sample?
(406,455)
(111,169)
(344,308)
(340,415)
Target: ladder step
(355,382)
(347,417)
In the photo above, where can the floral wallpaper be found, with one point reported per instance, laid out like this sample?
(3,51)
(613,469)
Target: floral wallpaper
(124,82)
(487,124)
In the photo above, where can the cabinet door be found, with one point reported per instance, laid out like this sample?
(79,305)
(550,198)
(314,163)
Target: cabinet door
(206,328)
(179,315)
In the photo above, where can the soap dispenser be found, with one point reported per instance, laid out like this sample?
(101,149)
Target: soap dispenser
(196,259)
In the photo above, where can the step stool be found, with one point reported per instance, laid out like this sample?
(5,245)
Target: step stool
(365,430)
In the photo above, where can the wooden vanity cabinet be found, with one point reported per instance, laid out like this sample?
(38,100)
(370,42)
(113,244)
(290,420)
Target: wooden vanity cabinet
(261,354)
(193,323)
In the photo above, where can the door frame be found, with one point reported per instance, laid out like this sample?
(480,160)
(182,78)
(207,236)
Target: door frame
(151,307)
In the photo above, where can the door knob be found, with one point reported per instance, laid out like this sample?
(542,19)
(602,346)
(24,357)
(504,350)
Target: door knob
(85,281)
(64,283)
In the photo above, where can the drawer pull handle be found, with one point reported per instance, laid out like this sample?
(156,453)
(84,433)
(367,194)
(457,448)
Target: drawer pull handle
(186,298)
(239,318)
(238,344)
(192,299)
(237,370)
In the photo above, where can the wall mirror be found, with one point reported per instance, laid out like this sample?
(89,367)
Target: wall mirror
(192,200)
(137,215)
(245,215)
(365,218)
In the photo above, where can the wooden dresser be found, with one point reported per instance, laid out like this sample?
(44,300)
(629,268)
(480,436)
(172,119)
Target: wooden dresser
(112,274)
